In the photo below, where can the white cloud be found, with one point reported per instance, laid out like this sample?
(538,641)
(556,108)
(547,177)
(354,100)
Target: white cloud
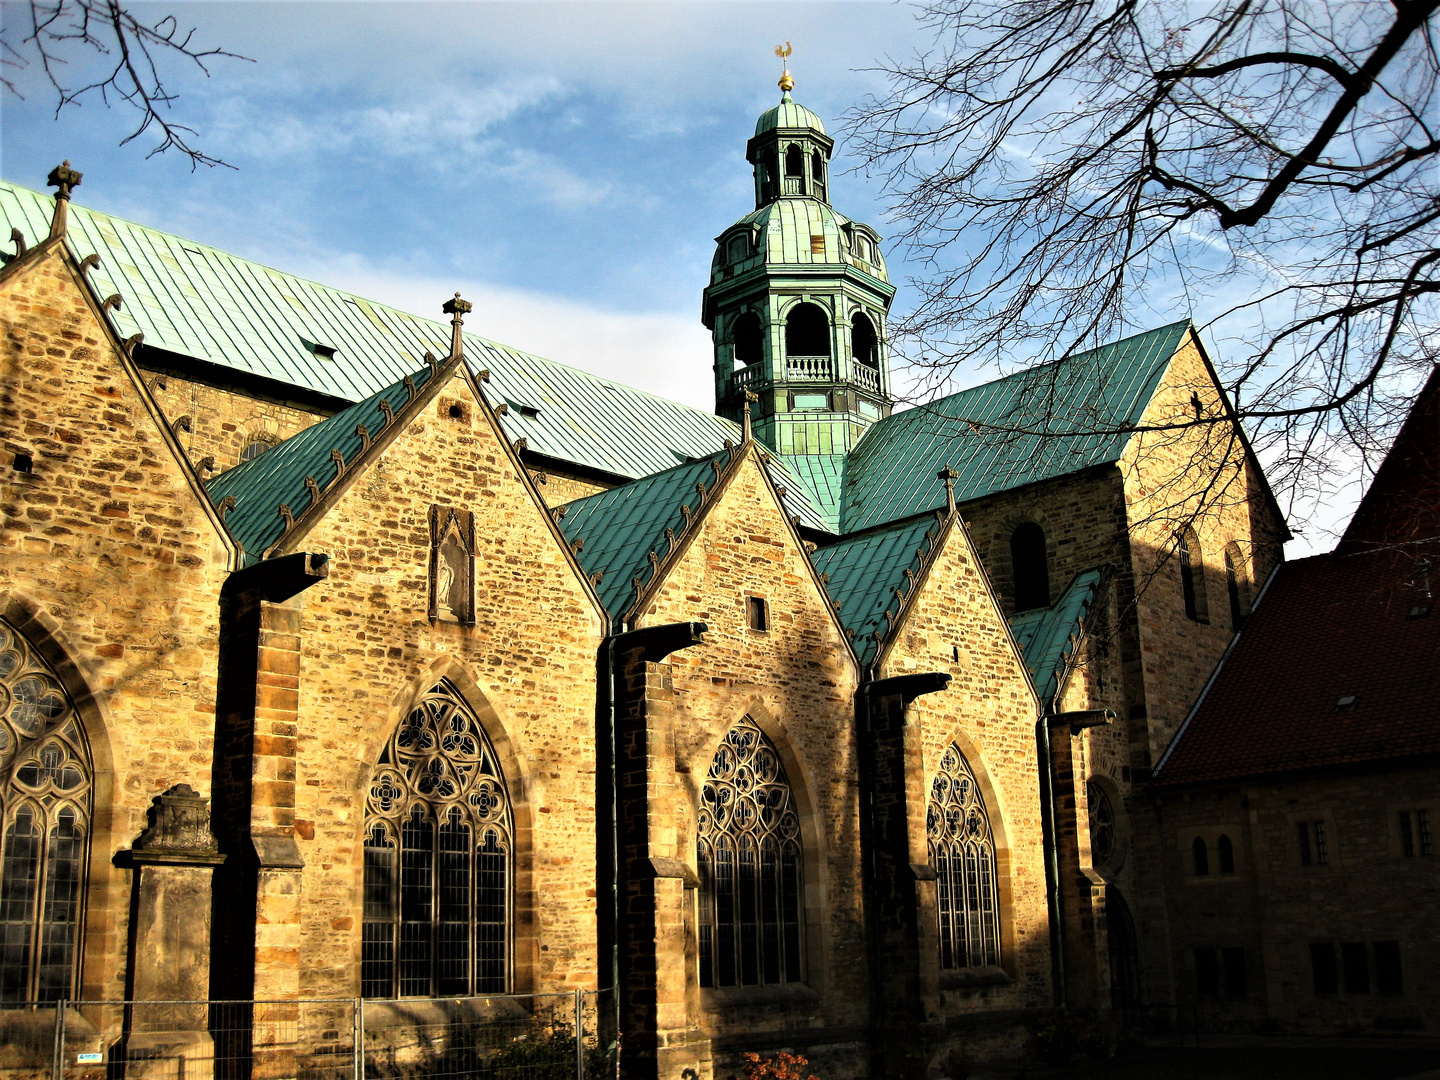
(660,352)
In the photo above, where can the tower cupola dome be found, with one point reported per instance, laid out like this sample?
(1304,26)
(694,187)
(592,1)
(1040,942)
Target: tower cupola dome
(790,152)
(798,298)
(790,116)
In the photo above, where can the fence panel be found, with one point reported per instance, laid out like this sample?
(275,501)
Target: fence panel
(521,1037)
(569,1036)
(208,1040)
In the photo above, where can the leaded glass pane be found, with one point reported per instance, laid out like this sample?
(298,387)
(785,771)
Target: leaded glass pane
(962,851)
(437,859)
(750,866)
(45,793)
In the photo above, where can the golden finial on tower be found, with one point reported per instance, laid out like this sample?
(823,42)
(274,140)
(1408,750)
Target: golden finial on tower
(786,82)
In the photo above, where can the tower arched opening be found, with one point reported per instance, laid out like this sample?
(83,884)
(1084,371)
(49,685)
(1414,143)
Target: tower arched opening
(748,338)
(794,170)
(864,341)
(807,332)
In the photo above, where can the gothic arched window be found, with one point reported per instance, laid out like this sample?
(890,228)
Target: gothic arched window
(1200,856)
(1102,825)
(1226,851)
(962,851)
(1029,568)
(1235,586)
(1192,576)
(45,804)
(751,872)
(438,859)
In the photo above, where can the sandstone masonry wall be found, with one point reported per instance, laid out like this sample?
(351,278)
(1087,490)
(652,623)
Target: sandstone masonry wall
(109,560)
(797,681)
(223,422)
(954,626)
(527,667)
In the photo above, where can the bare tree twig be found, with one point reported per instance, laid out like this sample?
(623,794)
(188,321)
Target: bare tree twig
(1057,165)
(131,54)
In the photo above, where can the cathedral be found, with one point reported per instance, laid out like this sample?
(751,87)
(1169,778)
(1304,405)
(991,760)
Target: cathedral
(348,655)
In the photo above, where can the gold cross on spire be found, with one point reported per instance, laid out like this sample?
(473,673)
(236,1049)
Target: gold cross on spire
(786,82)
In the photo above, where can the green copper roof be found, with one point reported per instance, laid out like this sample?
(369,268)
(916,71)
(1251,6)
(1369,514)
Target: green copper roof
(1044,634)
(260,486)
(205,303)
(622,526)
(823,477)
(788,115)
(786,228)
(865,572)
(891,474)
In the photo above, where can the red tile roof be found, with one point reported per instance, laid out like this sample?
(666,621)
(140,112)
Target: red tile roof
(1403,502)
(1329,627)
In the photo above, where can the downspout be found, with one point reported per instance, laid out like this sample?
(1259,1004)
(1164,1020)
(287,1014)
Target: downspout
(607,846)
(1052,862)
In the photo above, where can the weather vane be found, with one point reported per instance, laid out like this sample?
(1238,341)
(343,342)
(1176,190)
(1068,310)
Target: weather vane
(783,52)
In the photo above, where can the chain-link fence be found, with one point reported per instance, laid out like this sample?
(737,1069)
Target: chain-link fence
(513,1037)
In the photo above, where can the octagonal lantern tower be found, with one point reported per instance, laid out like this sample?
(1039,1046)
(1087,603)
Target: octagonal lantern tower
(798,298)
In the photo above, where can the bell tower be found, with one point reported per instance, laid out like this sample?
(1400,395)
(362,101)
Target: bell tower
(799,298)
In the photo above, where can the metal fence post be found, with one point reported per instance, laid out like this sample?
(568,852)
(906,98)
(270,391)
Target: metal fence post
(358,1026)
(57,1055)
(579,1034)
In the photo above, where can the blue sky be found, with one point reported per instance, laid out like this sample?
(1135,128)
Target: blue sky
(565,166)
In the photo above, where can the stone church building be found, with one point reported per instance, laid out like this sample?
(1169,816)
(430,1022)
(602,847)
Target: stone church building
(349,654)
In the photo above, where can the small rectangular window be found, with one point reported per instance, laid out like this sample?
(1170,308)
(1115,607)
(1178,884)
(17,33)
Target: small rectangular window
(1207,973)
(23,463)
(1322,964)
(1302,830)
(758,612)
(1353,955)
(1387,968)
(869,410)
(1422,826)
(1233,961)
(1322,855)
(1407,835)
(811,402)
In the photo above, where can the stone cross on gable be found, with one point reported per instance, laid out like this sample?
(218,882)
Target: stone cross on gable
(64,179)
(750,398)
(949,476)
(457,309)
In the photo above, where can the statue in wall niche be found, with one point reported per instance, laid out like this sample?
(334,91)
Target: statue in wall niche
(452,563)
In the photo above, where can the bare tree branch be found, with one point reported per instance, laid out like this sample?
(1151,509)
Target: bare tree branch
(130,54)
(1063,169)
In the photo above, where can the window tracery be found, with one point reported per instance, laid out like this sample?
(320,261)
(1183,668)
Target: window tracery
(751,866)
(962,851)
(45,811)
(438,856)
(1102,825)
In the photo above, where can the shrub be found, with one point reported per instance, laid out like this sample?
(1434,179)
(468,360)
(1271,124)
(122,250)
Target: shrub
(782,1066)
